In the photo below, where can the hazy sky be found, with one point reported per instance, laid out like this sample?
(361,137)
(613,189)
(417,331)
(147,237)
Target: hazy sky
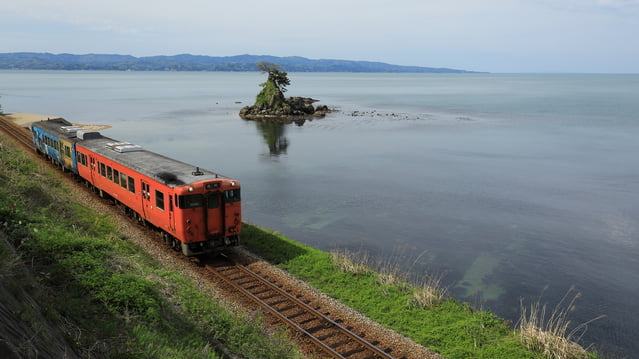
(487,35)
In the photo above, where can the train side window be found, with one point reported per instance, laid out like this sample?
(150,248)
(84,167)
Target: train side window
(102,169)
(67,151)
(159,199)
(123,180)
(109,173)
(116,176)
(131,184)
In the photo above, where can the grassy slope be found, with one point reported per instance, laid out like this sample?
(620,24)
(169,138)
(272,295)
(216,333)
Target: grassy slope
(109,298)
(453,329)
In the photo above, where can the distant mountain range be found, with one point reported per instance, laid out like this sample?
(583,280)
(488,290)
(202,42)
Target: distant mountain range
(187,62)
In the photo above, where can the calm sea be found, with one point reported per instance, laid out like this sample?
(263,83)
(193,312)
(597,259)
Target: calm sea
(503,184)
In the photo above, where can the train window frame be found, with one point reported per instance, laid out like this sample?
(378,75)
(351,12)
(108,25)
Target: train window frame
(123,179)
(109,173)
(67,151)
(102,169)
(159,199)
(81,158)
(116,176)
(131,184)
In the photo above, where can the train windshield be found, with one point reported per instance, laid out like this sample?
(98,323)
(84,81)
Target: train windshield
(232,195)
(191,201)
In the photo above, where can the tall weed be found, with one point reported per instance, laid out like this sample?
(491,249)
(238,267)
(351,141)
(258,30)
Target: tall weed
(427,289)
(549,332)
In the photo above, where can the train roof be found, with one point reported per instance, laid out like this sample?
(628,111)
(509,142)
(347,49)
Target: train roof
(58,126)
(164,169)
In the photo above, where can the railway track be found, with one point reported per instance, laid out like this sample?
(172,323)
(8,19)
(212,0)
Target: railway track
(333,339)
(328,335)
(21,135)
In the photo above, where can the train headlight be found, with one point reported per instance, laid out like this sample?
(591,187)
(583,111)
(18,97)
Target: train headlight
(191,188)
(232,183)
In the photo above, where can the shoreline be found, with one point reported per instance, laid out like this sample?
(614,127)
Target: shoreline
(25,119)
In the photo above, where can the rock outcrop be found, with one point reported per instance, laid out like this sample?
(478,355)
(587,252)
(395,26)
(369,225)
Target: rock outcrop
(293,108)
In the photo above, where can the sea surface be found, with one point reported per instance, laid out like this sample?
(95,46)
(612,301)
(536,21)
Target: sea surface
(509,187)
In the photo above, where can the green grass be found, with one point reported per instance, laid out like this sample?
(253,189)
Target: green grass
(451,328)
(112,300)
(109,298)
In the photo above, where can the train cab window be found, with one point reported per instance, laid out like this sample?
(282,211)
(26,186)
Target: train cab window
(131,184)
(116,176)
(102,169)
(213,201)
(191,201)
(109,173)
(123,180)
(159,199)
(232,195)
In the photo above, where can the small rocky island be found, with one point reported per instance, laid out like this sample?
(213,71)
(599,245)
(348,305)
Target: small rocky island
(271,103)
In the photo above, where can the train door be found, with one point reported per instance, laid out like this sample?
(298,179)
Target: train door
(232,209)
(214,214)
(146,199)
(171,214)
(92,169)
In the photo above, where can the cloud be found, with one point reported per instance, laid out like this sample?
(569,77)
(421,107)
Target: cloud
(412,32)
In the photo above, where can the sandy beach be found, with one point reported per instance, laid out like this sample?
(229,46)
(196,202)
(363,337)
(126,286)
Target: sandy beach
(24,119)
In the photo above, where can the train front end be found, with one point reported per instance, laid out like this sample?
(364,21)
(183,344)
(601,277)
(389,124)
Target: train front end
(208,215)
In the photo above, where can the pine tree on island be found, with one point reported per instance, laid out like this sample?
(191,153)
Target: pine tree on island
(271,103)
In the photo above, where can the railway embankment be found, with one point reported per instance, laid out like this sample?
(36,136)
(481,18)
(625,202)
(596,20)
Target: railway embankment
(73,283)
(86,276)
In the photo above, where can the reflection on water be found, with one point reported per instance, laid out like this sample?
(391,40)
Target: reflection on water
(274,131)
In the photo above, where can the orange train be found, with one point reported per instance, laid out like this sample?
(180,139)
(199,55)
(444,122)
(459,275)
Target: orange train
(196,210)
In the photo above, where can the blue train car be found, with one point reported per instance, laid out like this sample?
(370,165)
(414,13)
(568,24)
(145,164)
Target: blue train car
(55,138)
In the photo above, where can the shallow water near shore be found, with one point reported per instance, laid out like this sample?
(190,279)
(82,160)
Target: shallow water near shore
(505,184)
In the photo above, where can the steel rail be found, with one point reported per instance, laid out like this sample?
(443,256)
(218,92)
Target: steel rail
(15,131)
(378,353)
